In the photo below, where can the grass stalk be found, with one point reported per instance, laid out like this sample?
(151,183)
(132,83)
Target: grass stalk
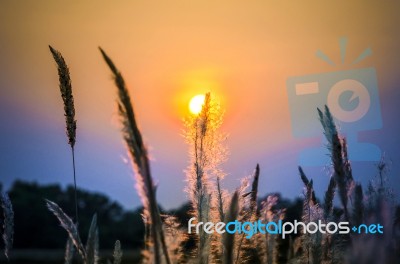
(69,109)
(75,188)
(138,152)
(229,239)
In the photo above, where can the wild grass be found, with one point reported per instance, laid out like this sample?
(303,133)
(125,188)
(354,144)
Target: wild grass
(67,223)
(204,176)
(229,239)
(166,240)
(139,156)
(89,253)
(69,110)
(69,251)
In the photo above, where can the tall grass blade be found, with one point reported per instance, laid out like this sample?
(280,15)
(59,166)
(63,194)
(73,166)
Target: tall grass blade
(250,250)
(254,190)
(339,157)
(138,153)
(328,198)
(220,200)
(307,184)
(92,244)
(229,239)
(68,225)
(69,251)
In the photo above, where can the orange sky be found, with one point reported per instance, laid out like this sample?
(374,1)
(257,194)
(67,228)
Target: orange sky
(168,51)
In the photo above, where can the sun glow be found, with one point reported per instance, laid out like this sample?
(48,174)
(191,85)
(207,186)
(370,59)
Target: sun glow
(196,103)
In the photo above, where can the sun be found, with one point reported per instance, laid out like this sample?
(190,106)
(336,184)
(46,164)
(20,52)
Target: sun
(196,103)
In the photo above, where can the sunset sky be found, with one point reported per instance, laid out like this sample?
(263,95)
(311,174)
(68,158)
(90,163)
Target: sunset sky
(169,51)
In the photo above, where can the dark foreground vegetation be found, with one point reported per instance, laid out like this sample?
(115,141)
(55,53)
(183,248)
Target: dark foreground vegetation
(35,228)
(38,237)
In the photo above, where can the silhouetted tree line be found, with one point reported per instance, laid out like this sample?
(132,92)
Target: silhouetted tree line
(37,228)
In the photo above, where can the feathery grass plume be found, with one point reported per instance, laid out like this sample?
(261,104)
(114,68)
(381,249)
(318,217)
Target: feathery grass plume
(69,109)
(243,207)
(229,239)
(254,190)
(379,188)
(243,214)
(139,156)
(117,252)
(306,217)
(197,128)
(69,251)
(68,225)
(217,211)
(206,154)
(220,200)
(383,168)
(328,198)
(341,164)
(146,252)
(204,245)
(8,225)
(176,238)
(311,243)
(217,214)
(328,239)
(92,244)
(250,251)
(254,249)
(66,94)
(307,184)
(244,197)
(340,175)
(347,165)
(269,249)
(270,214)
